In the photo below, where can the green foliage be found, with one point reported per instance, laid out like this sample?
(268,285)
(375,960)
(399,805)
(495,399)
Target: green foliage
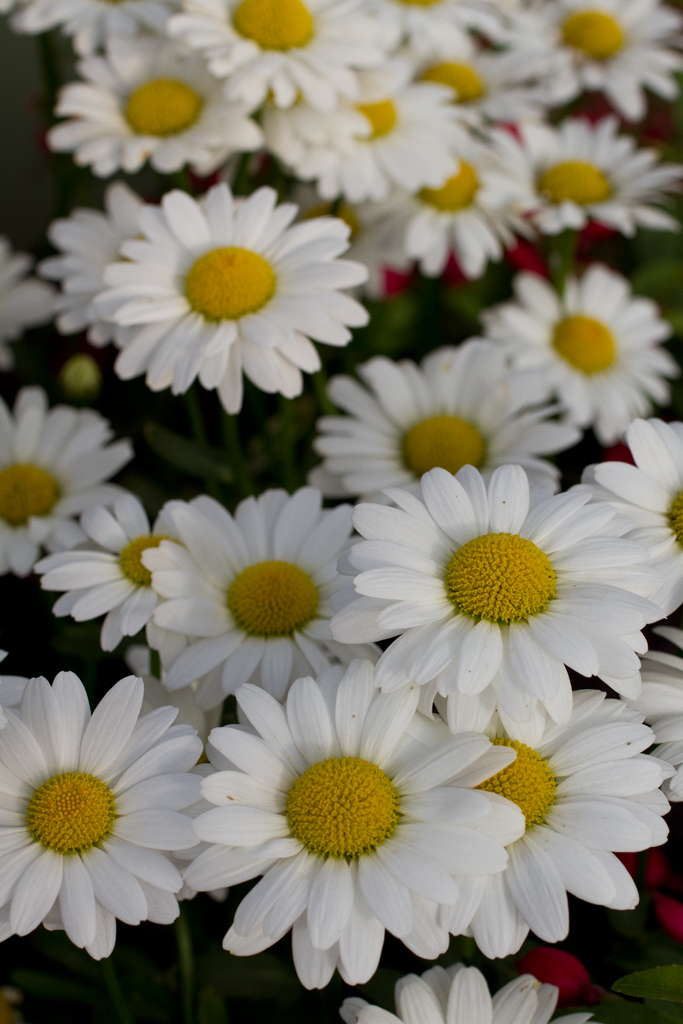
(657,983)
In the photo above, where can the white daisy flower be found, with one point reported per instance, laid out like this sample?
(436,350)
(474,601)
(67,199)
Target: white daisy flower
(585,789)
(87,242)
(596,345)
(148,99)
(425,24)
(460,406)
(286,49)
(108,577)
(93,806)
(53,465)
(460,995)
(398,134)
(661,702)
(254,593)
(648,499)
(157,695)
(578,172)
(90,23)
(24,302)
(217,287)
(488,587)
(333,802)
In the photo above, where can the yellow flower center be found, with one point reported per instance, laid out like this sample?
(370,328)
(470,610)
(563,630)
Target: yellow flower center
(463,79)
(272,599)
(457,193)
(275,24)
(342,807)
(576,181)
(130,559)
(585,343)
(25,491)
(528,782)
(595,33)
(165,106)
(343,211)
(446,441)
(382,116)
(500,577)
(71,812)
(228,283)
(676,517)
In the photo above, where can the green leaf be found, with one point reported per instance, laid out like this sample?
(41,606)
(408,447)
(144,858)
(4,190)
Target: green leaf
(211,1008)
(198,460)
(657,983)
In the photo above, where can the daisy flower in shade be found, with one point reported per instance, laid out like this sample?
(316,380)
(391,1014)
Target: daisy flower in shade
(87,242)
(91,23)
(460,995)
(425,24)
(485,584)
(148,99)
(286,49)
(254,593)
(108,577)
(648,500)
(585,789)
(53,465)
(661,702)
(579,172)
(460,406)
(332,801)
(92,807)
(217,287)
(597,346)
(24,302)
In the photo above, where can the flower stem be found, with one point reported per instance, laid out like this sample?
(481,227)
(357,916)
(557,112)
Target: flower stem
(286,446)
(198,428)
(115,992)
(562,257)
(235,452)
(186,964)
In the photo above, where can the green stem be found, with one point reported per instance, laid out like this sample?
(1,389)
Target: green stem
(198,428)
(155,664)
(115,992)
(240,183)
(562,255)
(286,446)
(235,453)
(321,393)
(186,964)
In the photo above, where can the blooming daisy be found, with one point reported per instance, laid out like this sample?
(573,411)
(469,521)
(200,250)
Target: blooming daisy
(460,995)
(87,242)
(148,99)
(581,172)
(661,702)
(648,499)
(596,345)
(333,802)
(108,577)
(486,585)
(460,406)
(216,287)
(254,592)
(90,23)
(424,24)
(53,465)
(585,789)
(285,49)
(91,807)
(24,302)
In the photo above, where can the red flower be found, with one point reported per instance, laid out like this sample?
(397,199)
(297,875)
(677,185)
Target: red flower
(396,282)
(525,256)
(557,967)
(618,453)
(669,913)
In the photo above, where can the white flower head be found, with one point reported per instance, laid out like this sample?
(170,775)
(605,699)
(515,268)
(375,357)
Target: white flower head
(87,242)
(217,287)
(579,172)
(597,345)
(424,24)
(97,801)
(661,702)
(54,463)
(157,695)
(286,49)
(91,23)
(149,100)
(486,585)
(460,406)
(333,798)
(24,301)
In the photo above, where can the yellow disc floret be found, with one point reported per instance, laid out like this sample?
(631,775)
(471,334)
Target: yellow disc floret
(463,79)
(528,782)
(500,577)
(165,106)
(446,441)
(275,24)
(676,517)
(575,181)
(585,343)
(342,807)
(26,490)
(273,599)
(595,33)
(228,283)
(381,115)
(456,193)
(130,559)
(70,813)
